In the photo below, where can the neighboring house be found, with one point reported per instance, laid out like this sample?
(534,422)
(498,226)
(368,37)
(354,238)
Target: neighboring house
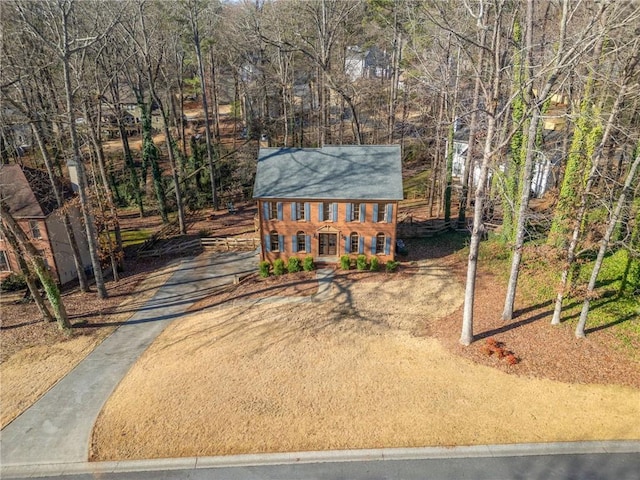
(370,63)
(460,147)
(131,118)
(28,194)
(545,168)
(109,123)
(15,133)
(329,201)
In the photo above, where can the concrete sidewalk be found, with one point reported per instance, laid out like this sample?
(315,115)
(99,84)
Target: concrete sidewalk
(57,428)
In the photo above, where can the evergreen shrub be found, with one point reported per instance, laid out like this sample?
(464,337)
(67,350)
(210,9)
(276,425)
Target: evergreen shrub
(264,269)
(293,265)
(307,263)
(375,263)
(278,266)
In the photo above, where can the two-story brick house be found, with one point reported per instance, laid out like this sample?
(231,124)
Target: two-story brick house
(329,201)
(28,194)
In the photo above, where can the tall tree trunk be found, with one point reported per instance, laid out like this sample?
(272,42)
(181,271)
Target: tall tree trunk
(435,169)
(448,177)
(134,180)
(396,56)
(538,101)
(75,251)
(28,276)
(49,284)
(584,200)
(577,163)
(150,156)
(174,170)
(467,176)
(114,250)
(82,179)
(626,191)
(205,107)
(214,98)
(466,336)
(513,184)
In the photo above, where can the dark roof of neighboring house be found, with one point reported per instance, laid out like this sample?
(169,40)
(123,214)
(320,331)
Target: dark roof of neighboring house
(461,135)
(367,172)
(27,191)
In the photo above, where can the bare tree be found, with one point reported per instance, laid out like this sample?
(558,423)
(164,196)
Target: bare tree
(49,284)
(564,58)
(604,243)
(596,164)
(26,272)
(492,93)
(194,9)
(58,37)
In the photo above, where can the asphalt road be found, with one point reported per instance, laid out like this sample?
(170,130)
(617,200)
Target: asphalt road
(618,466)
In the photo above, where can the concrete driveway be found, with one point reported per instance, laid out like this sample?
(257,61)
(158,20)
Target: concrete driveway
(57,428)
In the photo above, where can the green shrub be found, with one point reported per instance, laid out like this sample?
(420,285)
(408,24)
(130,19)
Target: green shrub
(293,265)
(345,262)
(278,266)
(13,283)
(264,269)
(307,263)
(361,262)
(391,266)
(375,263)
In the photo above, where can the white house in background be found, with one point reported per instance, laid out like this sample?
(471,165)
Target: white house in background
(545,167)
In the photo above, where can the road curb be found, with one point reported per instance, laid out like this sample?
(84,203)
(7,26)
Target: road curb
(383,454)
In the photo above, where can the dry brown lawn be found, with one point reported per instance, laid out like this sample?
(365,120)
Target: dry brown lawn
(362,370)
(35,355)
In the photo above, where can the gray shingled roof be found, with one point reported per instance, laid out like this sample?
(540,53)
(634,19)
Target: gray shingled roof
(367,172)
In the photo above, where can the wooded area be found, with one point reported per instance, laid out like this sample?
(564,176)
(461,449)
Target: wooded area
(498,101)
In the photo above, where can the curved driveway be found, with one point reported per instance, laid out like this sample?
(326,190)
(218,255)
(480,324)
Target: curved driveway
(57,428)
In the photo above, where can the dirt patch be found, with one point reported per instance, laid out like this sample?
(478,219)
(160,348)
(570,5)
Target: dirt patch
(353,372)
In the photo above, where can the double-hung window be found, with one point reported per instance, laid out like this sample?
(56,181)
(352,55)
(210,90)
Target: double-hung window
(327,211)
(355,212)
(380,243)
(274,241)
(354,240)
(273,210)
(34,226)
(4,262)
(299,211)
(301,241)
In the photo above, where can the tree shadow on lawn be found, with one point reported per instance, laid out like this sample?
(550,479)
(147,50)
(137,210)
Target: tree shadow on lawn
(547,313)
(275,329)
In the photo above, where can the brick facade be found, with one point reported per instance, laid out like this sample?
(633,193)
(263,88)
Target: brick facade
(327,235)
(30,199)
